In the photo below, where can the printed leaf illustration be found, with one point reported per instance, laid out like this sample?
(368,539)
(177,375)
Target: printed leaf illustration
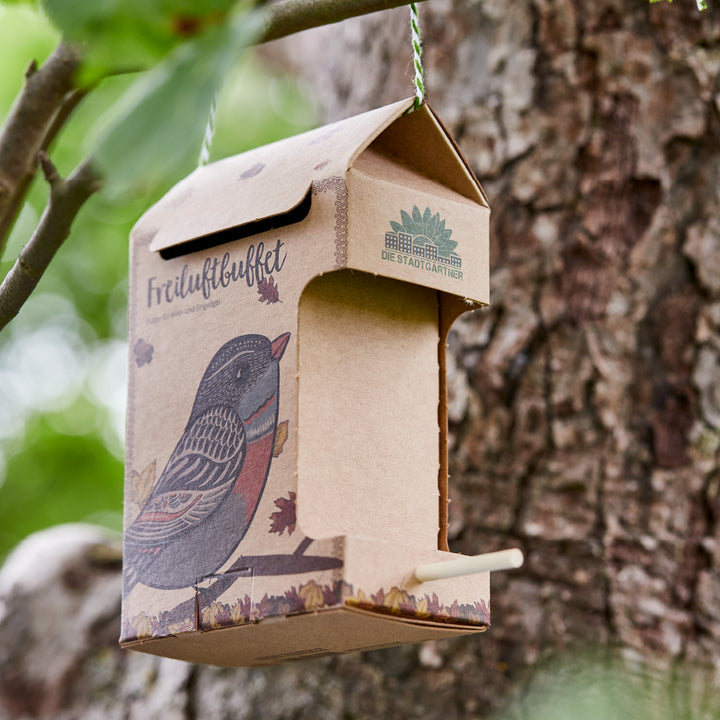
(360,599)
(294,600)
(433,604)
(263,607)
(268,290)
(408,223)
(238,614)
(396,226)
(281,436)
(187,625)
(143,352)
(333,593)
(432,225)
(446,246)
(214,616)
(141,484)
(422,608)
(312,595)
(426,216)
(143,625)
(284,518)
(252,171)
(396,598)
(417,217)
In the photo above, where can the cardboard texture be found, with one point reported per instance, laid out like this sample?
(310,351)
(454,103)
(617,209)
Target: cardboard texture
(286,465)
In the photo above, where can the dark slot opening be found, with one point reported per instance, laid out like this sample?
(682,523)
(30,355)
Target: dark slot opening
(297,214)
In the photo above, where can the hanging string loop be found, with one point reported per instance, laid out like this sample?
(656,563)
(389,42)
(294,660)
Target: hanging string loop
(417,56)
(204,157)
(419,83)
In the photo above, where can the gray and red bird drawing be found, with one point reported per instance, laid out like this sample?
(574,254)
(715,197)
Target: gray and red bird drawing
(205,498)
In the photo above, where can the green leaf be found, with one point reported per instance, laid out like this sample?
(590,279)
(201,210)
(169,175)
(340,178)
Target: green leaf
(426,216)
(445,235)
(396,226)
(159,124)
(131,34)
(417,218)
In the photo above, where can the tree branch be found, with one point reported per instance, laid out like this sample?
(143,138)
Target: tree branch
(30,126)
(293,16)
(66,199)
(7,220)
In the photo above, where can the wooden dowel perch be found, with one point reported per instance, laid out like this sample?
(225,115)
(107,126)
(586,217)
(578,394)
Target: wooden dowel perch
(487,562)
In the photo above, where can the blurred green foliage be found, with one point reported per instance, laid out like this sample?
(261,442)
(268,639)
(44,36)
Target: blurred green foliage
(62,366)
(122,34)
(605,684)
(163,115)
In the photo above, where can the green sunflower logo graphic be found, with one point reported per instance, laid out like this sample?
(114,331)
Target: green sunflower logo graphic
(423,234)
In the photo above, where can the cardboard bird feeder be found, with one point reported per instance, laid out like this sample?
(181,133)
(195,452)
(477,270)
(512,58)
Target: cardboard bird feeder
(286,434)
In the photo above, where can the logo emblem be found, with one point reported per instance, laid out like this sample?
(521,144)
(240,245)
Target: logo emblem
(422,240)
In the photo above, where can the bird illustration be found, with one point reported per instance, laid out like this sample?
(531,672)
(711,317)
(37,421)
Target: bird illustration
(205,498)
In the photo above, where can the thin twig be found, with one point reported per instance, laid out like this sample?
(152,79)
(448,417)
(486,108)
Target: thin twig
(66,198)
(69,103)
(25,131)
(293,16)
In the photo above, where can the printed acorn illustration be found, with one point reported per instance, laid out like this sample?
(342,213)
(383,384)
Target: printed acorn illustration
(216,473)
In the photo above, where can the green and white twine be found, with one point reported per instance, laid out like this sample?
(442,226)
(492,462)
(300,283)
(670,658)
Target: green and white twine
(417,56)
(204,157)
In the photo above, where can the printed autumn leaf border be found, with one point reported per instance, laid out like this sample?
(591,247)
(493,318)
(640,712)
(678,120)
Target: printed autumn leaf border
(399,602)
(310,597)
(307,597)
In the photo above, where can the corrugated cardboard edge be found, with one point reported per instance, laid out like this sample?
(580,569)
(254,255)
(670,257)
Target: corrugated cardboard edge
(303,633)
(450,308)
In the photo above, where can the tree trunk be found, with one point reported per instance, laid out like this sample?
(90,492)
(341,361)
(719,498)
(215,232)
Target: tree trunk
(584,403)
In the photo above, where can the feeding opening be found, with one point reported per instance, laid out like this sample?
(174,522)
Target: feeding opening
(295,215)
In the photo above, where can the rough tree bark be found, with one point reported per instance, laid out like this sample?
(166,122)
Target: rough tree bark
(584,403)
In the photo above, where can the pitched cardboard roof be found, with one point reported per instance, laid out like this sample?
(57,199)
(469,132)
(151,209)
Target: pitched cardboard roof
(275,179)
